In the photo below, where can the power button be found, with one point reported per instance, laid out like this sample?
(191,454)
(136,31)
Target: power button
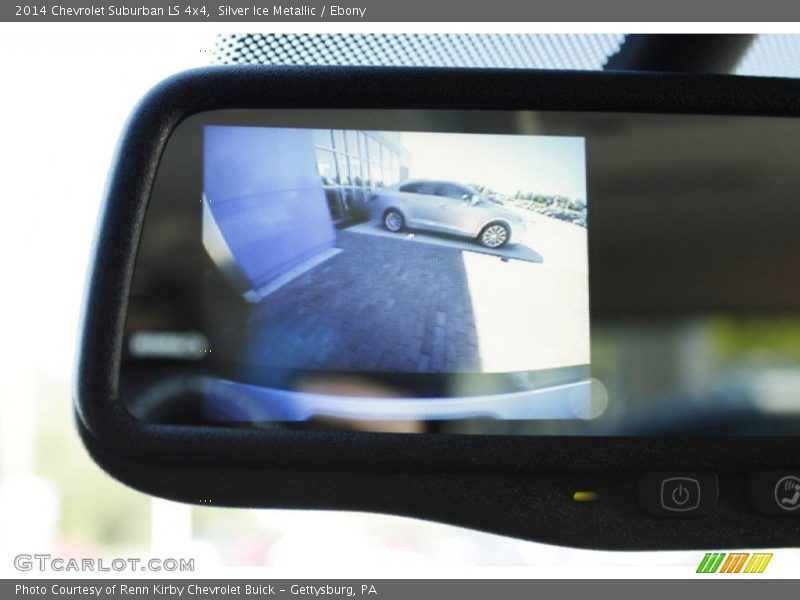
(680,493)
(677,494)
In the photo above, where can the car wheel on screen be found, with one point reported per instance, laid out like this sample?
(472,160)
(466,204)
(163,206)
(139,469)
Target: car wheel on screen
(393,220)
(494,235)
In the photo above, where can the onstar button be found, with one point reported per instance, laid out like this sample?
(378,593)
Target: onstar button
(677,494)
(776,493)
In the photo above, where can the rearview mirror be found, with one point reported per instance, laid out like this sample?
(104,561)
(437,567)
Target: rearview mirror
(278,316)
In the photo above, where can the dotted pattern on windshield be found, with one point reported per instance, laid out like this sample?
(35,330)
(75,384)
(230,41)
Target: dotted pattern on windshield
(567,51)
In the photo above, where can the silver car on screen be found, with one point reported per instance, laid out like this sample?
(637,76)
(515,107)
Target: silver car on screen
(447,207)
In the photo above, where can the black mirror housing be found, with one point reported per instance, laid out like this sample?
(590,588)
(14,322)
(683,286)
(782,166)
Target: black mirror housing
(526,486)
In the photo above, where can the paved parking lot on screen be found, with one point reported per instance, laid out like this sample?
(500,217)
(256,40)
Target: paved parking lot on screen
(400,304)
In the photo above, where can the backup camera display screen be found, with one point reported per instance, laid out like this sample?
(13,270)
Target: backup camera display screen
(388,254)
(536,273)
